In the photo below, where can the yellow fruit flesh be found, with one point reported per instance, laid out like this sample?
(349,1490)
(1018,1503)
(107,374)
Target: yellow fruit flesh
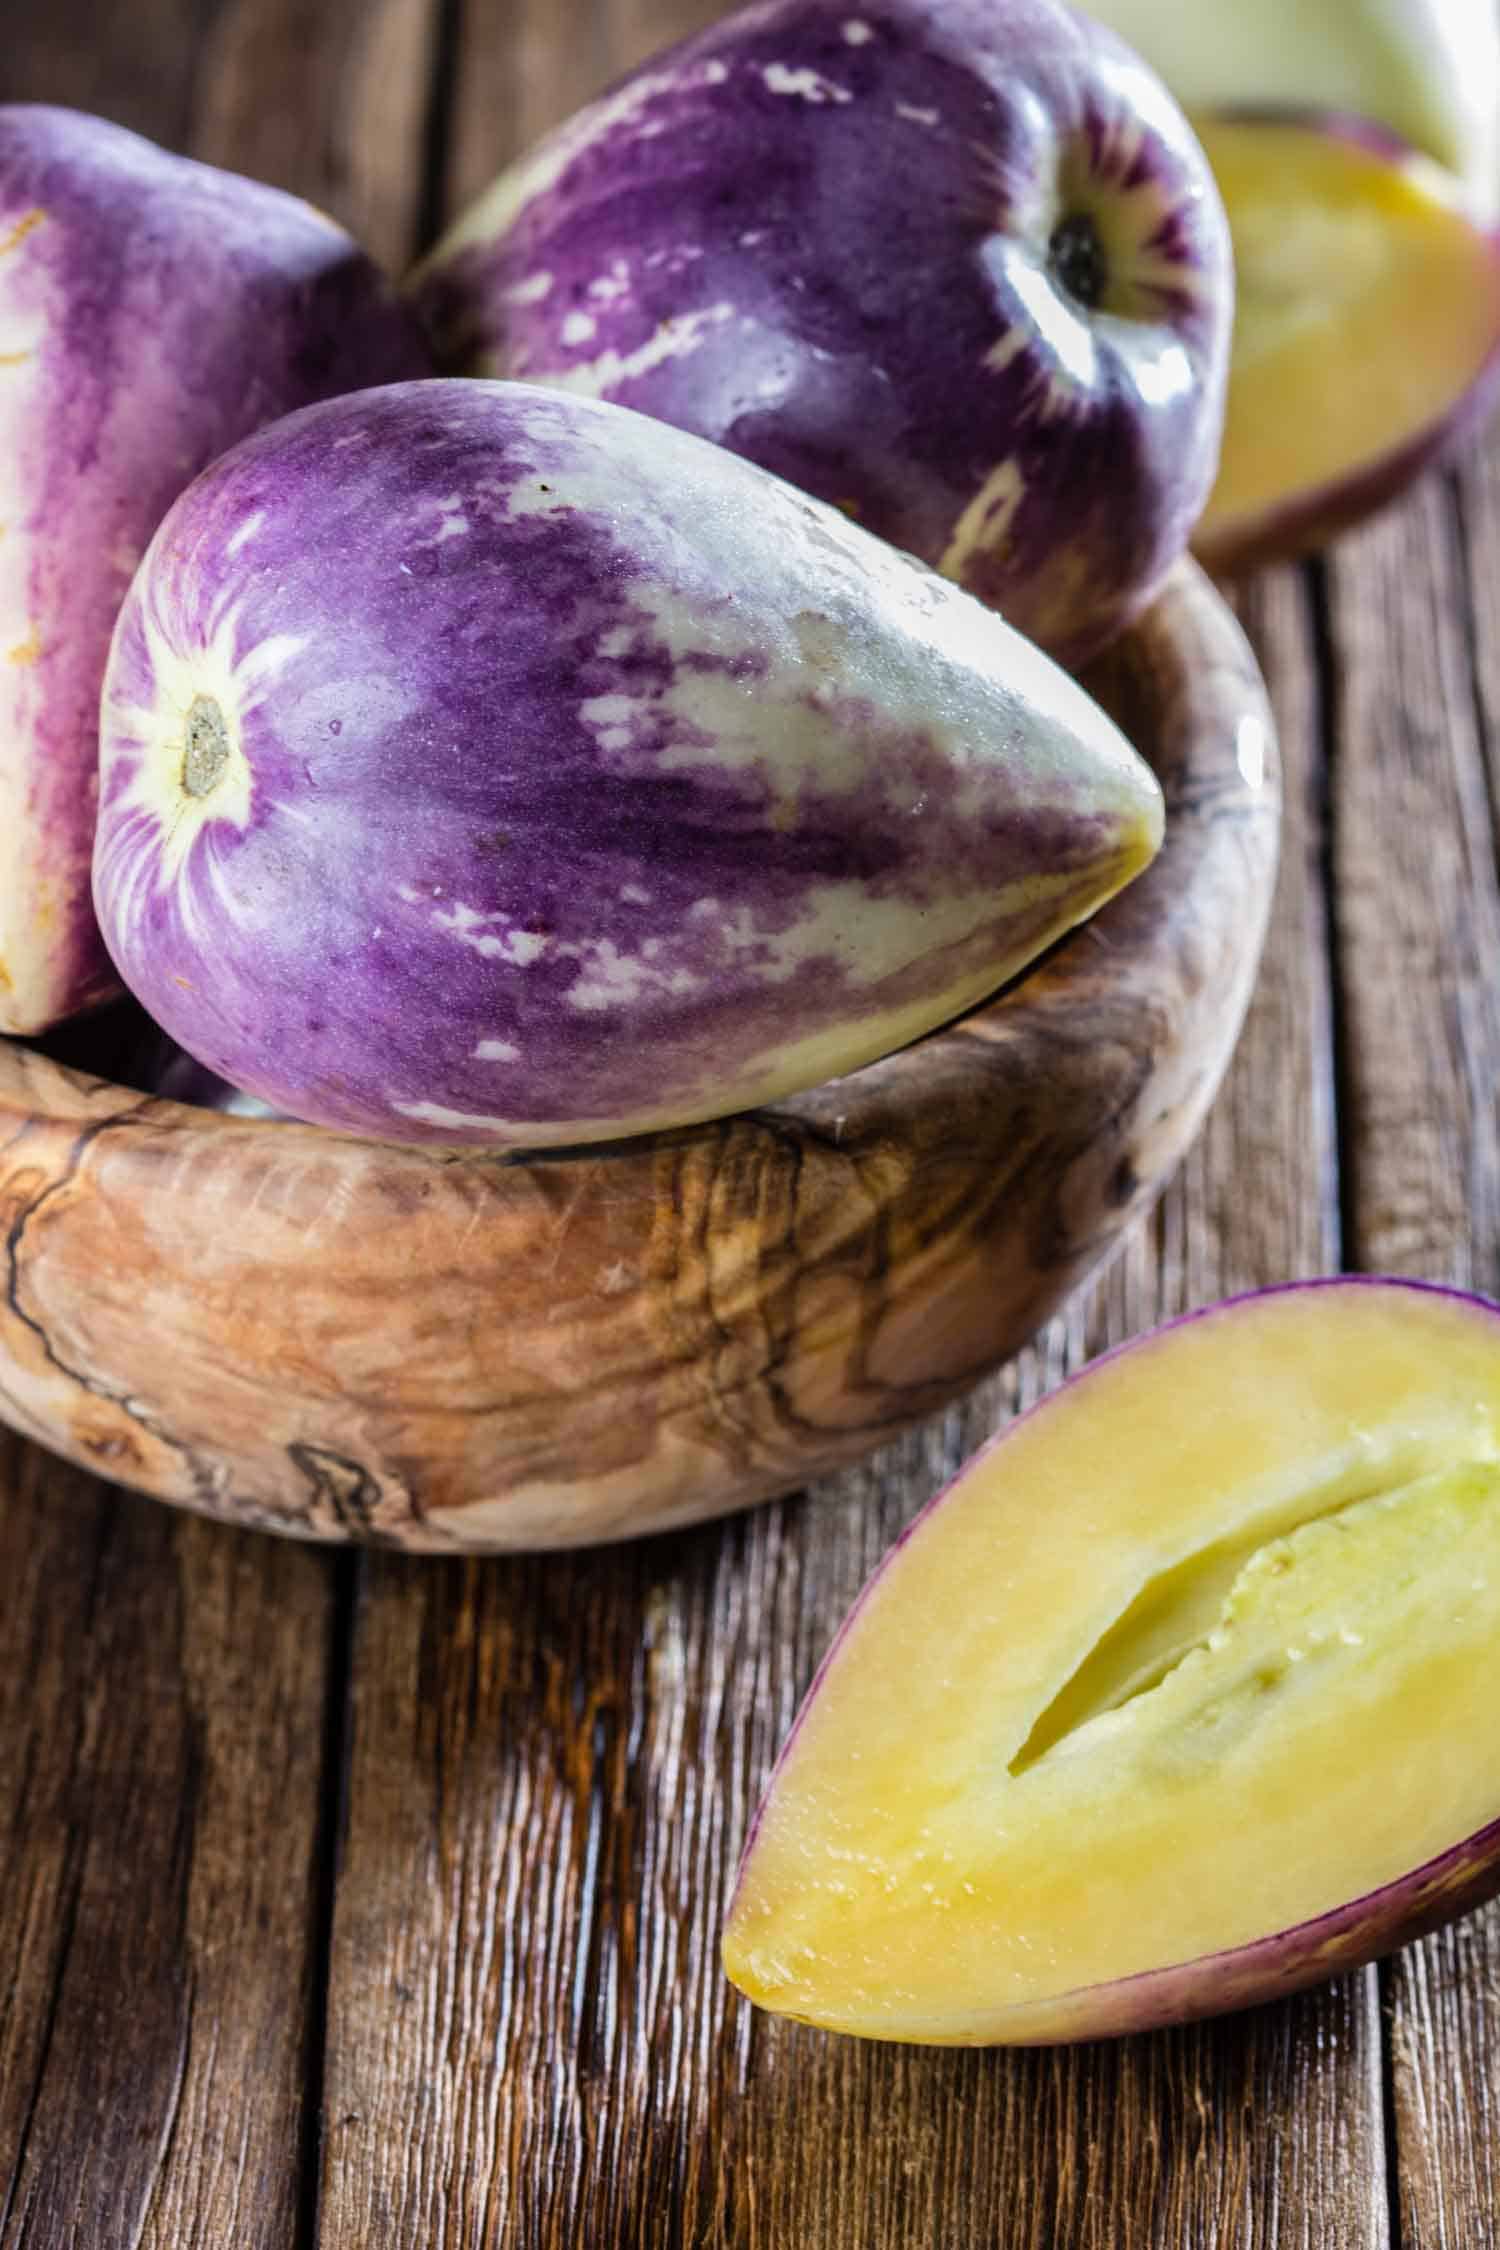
(1205,1649)
(1366,305)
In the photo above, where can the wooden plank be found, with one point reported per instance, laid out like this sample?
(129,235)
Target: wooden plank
(329,99)
(354,139)
(1416,642)
(163,1683)
(54,52)
(161,1690)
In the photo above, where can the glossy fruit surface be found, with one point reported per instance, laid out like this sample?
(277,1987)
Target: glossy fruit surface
(955,266)
(1181,1696)
(486,765)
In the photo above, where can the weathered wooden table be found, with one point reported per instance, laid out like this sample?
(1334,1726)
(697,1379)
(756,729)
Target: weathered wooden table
(360,1901)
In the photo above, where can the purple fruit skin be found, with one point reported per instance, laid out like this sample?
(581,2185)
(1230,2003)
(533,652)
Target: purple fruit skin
(1346,1937)
(846,210)
(444,842)
(183,307)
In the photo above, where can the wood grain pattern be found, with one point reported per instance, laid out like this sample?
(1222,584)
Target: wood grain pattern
(346,1339)
(558,1758)
(157,1953)
(1418,905)
(329,99)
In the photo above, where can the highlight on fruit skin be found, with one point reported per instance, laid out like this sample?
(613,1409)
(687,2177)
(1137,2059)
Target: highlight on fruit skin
(1180,1697)
(955,266)
(1367,329)
(486,766)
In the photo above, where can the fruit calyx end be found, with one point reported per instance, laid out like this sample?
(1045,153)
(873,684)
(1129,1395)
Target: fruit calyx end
(1075,257)
(206,753)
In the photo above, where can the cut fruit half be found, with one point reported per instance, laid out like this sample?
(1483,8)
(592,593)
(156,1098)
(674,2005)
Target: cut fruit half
(1182,1695)
(1427,70)
(1367,329)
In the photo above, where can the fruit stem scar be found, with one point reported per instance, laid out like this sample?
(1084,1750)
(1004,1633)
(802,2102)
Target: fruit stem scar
(207,751)
(1076,257)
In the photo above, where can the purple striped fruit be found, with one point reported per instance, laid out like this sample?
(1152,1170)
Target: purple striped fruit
(1180,1697)
(152,312)
(957,266)
(485,765)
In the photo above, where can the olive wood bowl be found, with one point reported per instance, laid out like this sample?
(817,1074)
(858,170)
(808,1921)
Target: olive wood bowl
(347,1339)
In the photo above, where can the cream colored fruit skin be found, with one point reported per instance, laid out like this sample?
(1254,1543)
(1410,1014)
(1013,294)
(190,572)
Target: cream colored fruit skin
(1428,70)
